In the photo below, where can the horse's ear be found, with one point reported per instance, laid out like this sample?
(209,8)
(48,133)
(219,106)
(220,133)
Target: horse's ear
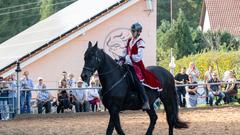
(89,44)
(96,45)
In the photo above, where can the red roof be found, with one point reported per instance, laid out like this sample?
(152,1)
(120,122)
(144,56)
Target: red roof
(223,15)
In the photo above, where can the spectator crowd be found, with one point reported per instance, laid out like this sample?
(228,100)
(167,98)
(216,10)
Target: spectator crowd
(187,86)
(68,97)
(75,95)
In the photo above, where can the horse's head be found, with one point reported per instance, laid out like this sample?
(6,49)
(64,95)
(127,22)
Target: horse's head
(92,59)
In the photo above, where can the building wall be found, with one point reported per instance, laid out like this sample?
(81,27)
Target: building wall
(69,57)
(206,24)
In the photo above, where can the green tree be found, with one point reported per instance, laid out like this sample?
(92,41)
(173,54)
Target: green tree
(177,36)
(199,42)
(213,39)
(31,16)
(4,19)
(221,61)
(12,21)
(15,20)
(62,4)
(191,8)
(46,8)
(182,37)
(165,42)
(218,40)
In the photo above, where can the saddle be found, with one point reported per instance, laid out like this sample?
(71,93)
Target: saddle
(130,76)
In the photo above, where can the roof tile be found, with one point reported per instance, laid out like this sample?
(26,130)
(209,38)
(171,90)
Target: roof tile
(224,15)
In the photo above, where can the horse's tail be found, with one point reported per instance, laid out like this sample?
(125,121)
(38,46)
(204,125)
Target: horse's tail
(176,121)
(168,96)
(170,100)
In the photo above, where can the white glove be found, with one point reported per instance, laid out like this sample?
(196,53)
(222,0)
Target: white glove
(128,60)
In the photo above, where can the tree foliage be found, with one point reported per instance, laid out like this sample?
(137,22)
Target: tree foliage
(183,39)
(177,36)
(221,41)
(15,20)
(46,8)
(12,23)
(191,8)
(220,60)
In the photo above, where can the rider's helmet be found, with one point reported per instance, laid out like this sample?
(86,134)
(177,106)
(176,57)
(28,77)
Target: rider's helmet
(136,27)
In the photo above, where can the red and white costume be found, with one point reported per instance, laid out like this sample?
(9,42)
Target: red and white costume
(134,54)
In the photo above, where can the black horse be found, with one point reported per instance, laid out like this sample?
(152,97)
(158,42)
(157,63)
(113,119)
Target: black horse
(117,93)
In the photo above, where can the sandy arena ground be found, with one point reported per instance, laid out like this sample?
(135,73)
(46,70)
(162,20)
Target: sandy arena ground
(215,121)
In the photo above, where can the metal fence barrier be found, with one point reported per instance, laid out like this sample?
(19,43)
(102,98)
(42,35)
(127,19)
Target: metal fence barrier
(9,108)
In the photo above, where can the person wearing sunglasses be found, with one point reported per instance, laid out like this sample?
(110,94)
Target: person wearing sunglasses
(214,89)
(133,57)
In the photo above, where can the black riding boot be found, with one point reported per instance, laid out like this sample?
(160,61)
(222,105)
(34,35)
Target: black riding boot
(141,89)
(144,97)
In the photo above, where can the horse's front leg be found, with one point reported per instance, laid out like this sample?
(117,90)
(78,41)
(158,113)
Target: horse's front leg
(153,118)
(110,126)
(114,115)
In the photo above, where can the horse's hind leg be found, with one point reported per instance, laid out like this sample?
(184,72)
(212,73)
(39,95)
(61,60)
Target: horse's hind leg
(114,115)
(170,115)
(110,126)
(153,118)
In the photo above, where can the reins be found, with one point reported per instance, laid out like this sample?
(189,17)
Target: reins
(106,73)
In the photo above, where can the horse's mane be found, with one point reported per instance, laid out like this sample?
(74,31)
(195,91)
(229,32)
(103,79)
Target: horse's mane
(107,57)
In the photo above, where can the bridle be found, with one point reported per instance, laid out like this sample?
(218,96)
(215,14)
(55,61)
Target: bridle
(105,73)
(102,74)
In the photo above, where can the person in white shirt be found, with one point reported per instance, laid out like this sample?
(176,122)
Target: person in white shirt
(44,97)
(232,89)
(80,98)
(71,81)
(193,71)
(93,97)
(207,77)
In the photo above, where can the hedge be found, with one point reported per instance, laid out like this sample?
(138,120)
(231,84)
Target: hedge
(221,61)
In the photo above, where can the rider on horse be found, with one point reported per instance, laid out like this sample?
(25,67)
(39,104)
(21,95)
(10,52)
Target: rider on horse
(133,55)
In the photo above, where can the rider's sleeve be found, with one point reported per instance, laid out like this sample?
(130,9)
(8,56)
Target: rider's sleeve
(124,52)
(137,57)
(128,60)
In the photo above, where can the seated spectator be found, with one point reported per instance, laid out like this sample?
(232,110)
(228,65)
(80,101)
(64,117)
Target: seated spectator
(93,97)
(63,98)
(192,91)
(231,89)
(80,98)
(214,90)
(44,97)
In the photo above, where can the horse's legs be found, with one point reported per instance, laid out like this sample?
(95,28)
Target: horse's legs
(110,126)
(170,116)
(153,118)
(114,115)
(170,123)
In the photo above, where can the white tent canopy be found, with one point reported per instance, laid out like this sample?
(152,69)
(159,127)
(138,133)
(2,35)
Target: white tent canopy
(50,28)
